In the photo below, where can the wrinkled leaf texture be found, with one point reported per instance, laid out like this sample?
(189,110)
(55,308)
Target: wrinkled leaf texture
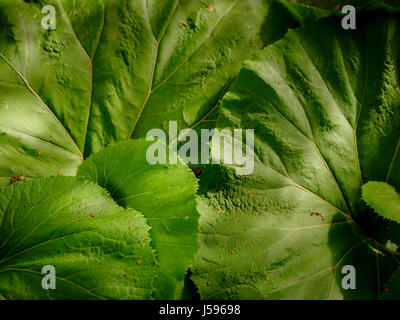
(113,69)
(324,103)
(110,71)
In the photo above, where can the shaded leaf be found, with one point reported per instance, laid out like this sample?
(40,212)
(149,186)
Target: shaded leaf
(326,120)
(393,230)
(392,288)
(112,70)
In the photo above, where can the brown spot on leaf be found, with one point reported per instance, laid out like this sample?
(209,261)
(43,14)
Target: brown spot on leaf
(318,214)
(17,178)
(211,9)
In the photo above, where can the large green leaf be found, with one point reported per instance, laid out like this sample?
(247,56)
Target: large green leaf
(98,249)
(325,106)
(383,198)
(165,194)
(113,69)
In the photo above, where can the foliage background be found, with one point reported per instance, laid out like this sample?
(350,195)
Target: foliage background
(325,106)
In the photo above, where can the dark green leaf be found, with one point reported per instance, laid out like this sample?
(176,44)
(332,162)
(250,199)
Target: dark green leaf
(325,106)
(392,287)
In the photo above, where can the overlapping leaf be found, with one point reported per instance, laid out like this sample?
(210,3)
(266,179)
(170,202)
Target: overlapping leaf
(165,194)
(326,120)
(98,249)
(324,104)
(113,69)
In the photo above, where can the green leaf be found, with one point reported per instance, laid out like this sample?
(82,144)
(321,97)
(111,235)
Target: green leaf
(383,198)
(392,288)
(113,69)
(165,194)
(326,120)
(95,246)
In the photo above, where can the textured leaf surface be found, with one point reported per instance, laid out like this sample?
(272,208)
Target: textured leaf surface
(165,194)
(50,222)
(383,198)
(113,69)
(326,120)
